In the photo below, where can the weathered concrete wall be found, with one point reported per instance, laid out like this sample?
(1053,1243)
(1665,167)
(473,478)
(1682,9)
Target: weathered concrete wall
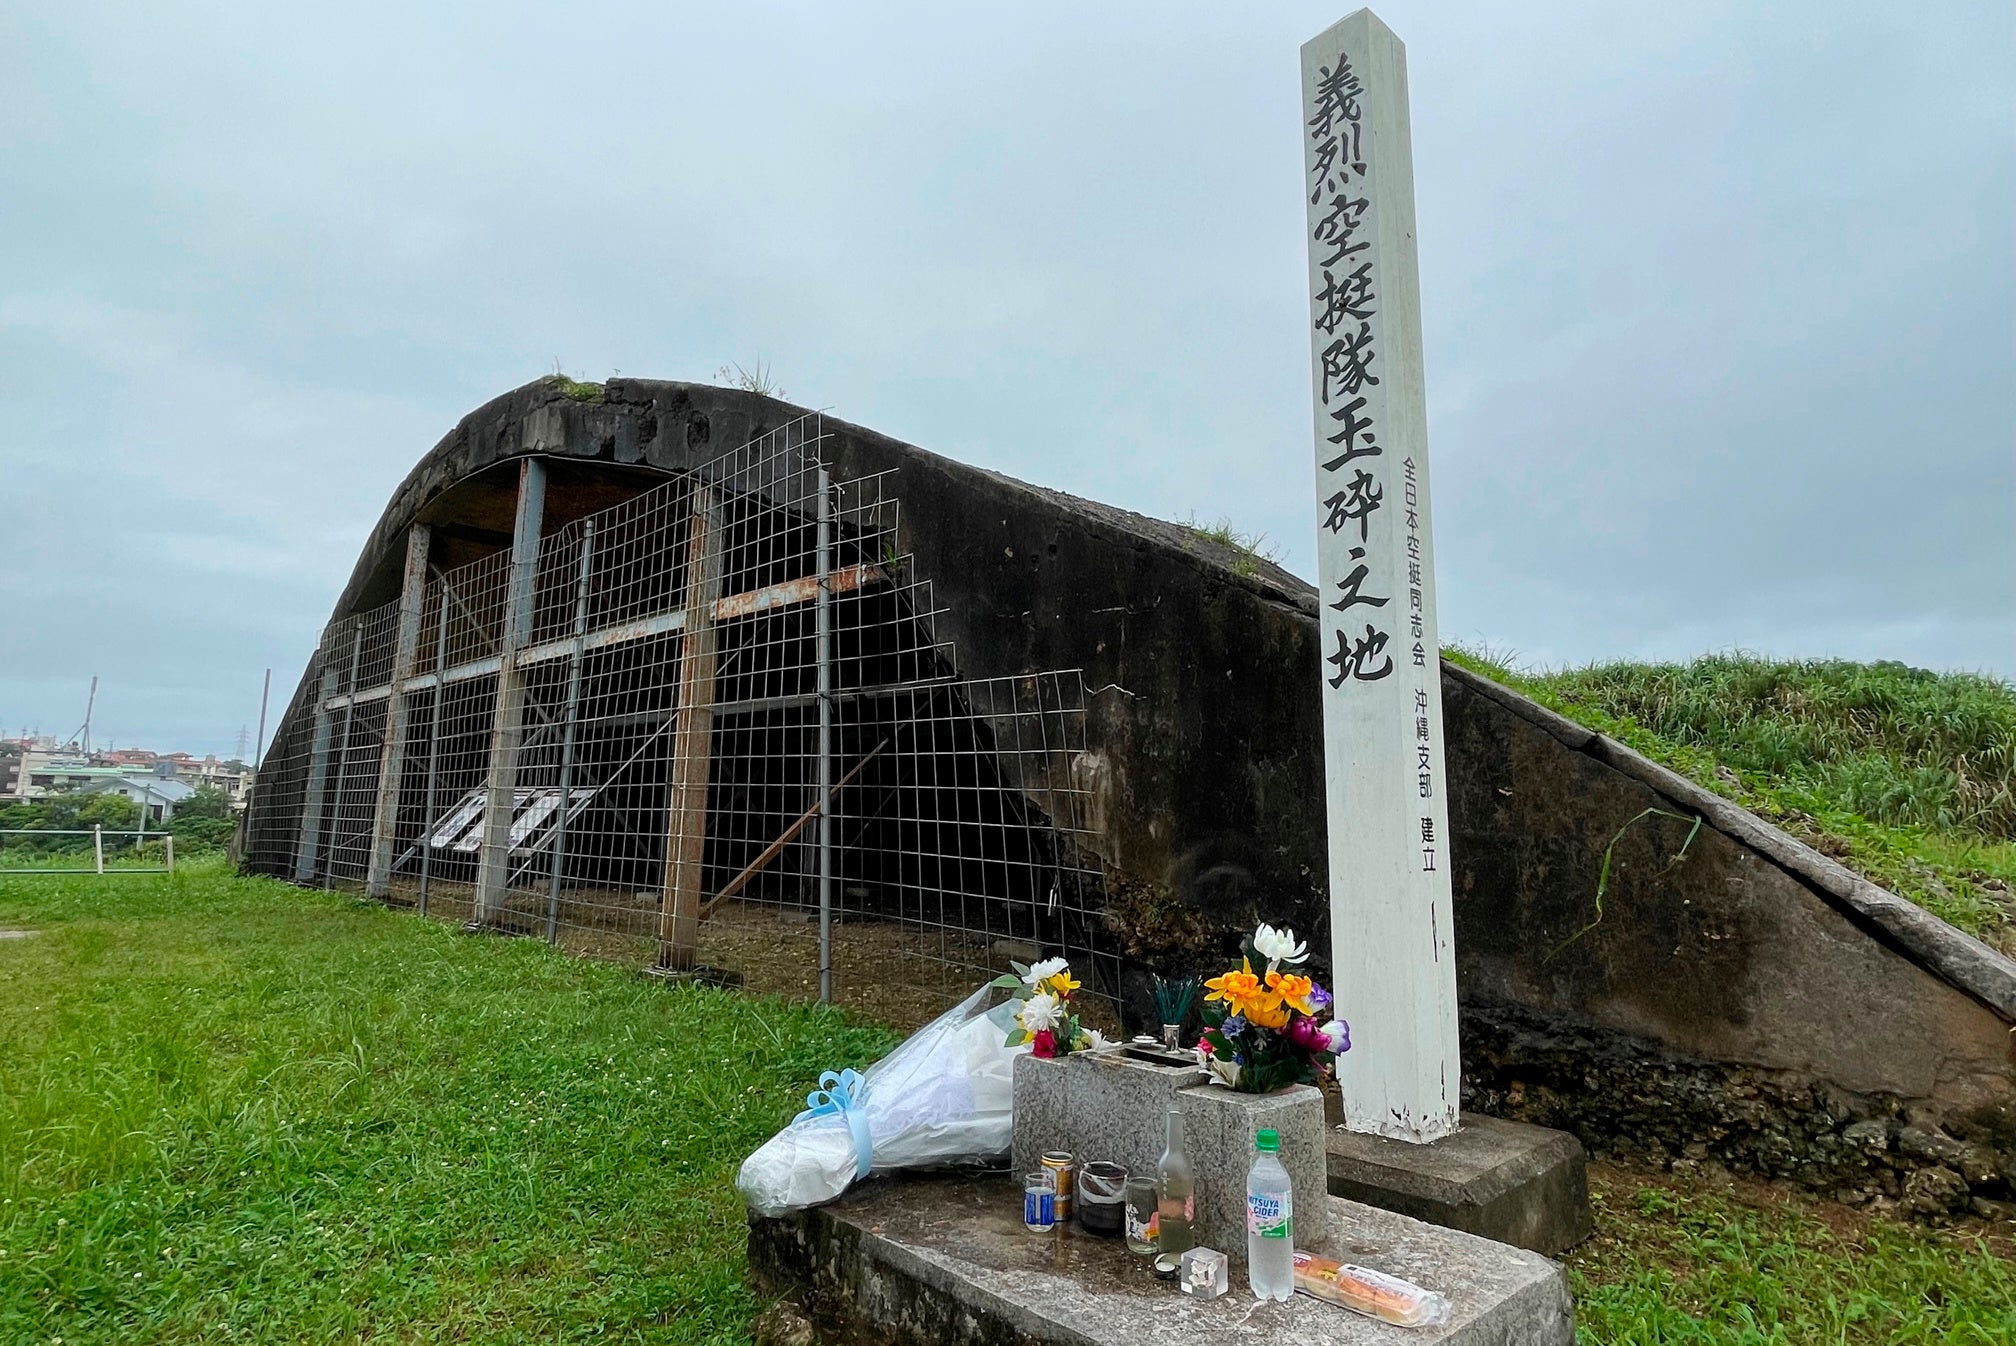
(1752,1004)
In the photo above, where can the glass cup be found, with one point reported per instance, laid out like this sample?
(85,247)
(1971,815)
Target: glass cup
(1100,1199)
(1039,1201)
(1141,1202)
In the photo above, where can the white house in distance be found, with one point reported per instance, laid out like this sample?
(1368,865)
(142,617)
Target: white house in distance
(156,796)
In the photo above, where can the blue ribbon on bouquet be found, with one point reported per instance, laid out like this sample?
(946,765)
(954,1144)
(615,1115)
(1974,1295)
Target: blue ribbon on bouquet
(841,1094)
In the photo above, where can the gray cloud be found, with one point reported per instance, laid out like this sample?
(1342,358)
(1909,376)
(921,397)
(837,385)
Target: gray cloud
(1718,301)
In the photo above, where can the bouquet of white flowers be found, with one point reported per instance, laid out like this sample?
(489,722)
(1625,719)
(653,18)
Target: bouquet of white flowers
(945,1096)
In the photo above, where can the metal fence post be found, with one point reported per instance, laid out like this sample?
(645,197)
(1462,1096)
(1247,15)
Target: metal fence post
(392,757)
(823,634)
(171,852)
(428,820)
(98,845)
(343,752)
(573,716)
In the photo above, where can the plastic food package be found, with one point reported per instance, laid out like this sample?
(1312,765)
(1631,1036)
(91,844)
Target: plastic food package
(1372,1293)
(945,1096)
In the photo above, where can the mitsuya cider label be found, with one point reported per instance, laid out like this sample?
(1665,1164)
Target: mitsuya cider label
(1271,1215)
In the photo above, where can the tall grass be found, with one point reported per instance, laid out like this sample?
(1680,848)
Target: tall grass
(1906,775)
(1894,744)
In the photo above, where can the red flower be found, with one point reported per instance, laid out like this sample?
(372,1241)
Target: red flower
(1044,1044)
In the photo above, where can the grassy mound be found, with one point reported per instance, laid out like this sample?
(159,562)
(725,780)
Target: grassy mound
(1907,777)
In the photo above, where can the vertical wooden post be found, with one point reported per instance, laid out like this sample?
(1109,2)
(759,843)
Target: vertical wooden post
(692,743)
(507,730)
(392,757)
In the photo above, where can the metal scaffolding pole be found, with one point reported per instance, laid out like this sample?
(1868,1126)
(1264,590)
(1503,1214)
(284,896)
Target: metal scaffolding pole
(428,821)
(392,757)
(572,721)
(823,654)
(343,752)
(308,841)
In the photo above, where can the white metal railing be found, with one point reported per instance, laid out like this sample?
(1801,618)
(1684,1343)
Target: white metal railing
(97,835)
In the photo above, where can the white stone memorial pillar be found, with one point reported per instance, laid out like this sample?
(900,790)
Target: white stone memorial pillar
(1393,958)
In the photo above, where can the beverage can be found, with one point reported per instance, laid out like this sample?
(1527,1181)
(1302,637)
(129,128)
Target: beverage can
(1039,1210)
(1064,1170)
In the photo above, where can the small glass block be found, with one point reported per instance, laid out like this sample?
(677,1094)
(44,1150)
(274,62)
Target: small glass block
(1204,1273)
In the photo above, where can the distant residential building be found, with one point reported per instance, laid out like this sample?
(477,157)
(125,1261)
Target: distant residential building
(10,775)
(45,773)
(157,796)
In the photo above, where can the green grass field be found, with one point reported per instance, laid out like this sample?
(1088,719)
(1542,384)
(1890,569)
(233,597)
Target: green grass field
(232,1111)
(1906,776)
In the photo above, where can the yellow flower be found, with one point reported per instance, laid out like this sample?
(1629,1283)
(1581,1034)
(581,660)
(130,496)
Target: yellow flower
(1061,985)
(1293,989)
(1265,1010)
(1234,987)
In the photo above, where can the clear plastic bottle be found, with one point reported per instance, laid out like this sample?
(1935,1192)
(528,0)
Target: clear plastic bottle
(1178,1188)
(1270,1221)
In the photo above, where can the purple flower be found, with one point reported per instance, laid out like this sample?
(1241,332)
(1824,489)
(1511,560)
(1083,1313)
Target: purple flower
(1339,1034)
(1320,999)
(1233,1026)
(1307,1034)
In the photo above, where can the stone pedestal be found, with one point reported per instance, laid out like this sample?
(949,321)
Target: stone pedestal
(1519,1184)
(1111,1107)
(926,1260)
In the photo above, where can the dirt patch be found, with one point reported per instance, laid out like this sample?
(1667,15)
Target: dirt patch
(899,972)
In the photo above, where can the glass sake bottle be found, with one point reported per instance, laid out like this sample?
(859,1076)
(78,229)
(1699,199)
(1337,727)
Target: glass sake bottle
(1177,1184)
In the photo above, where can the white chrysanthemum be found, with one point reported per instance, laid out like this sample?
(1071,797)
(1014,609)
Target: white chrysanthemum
(1041,1011)
(1044,970)
(1278,946)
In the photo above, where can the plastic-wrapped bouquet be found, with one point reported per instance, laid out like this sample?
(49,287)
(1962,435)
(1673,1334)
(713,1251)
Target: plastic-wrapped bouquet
(1043,1016)
(1266,1030)
(945,1096)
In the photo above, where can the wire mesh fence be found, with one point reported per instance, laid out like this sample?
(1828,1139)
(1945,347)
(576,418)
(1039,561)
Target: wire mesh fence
(711,729)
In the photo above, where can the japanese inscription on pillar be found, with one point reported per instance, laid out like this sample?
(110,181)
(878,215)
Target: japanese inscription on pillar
(1382,703)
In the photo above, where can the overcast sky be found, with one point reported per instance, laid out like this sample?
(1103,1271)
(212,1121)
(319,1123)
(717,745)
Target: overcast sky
(1720,301)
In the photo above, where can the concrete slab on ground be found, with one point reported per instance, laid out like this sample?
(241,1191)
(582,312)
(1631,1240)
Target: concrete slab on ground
(924,1260)
(1508,1181)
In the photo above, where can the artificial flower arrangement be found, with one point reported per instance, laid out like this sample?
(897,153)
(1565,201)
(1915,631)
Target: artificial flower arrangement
(1266,1030)
(1045,1020)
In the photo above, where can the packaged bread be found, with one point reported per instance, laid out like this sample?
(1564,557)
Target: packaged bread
(1373,1293)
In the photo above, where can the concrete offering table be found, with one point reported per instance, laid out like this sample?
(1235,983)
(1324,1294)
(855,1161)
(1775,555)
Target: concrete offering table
(1108,1106)
(930,1260)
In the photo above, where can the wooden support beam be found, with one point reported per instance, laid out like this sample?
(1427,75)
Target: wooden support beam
(507,729)
(789,834)
(392,757)
(692,742)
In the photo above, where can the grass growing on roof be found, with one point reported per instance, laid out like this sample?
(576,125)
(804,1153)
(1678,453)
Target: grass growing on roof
(1906,776)
(235,1111)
